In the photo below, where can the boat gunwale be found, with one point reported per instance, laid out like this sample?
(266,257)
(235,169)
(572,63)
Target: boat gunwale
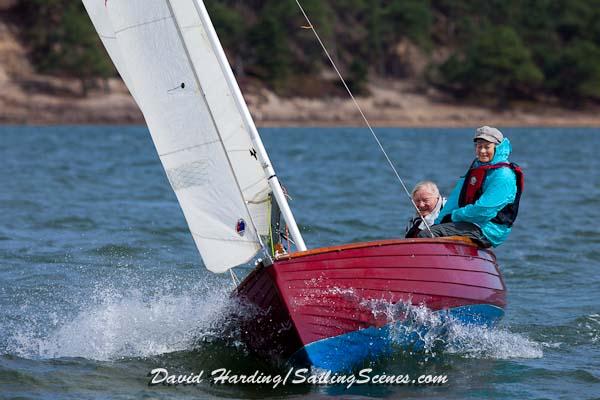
(460,240)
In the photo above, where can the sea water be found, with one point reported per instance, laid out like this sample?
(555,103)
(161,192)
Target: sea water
(100,281)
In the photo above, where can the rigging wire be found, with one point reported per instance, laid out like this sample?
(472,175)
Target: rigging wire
(311,27)
(234,278)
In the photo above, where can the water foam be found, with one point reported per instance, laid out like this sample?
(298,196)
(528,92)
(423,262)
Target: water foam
(472,341)
(589,328)
(114,324)
(438,332)
(117,323)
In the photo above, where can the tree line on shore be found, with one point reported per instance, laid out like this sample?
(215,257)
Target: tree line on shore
(493,52)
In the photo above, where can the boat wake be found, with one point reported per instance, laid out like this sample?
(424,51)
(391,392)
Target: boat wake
(433,332)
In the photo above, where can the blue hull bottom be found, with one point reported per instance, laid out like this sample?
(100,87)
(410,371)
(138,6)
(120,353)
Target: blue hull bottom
(341,353)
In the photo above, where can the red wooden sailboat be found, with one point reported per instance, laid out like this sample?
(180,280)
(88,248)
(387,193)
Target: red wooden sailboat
(315,306)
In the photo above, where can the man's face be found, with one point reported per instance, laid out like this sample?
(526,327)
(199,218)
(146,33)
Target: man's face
(484,150)
(425,201)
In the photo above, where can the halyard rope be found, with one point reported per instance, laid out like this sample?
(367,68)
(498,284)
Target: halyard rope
(311,27)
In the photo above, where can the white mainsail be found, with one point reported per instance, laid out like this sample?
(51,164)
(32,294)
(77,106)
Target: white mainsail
(165,52)
(98,14)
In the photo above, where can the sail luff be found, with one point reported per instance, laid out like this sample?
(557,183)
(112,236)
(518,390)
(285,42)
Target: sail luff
(249,122)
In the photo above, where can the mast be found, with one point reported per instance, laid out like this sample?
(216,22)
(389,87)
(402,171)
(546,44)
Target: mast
(256,140)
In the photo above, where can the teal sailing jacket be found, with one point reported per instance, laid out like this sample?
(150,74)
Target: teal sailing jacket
(499,190)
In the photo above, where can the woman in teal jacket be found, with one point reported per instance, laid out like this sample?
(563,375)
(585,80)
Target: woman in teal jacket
(484,202)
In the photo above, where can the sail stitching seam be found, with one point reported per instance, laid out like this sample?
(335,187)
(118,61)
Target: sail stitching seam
(224,239)
(188,148)
(141,24)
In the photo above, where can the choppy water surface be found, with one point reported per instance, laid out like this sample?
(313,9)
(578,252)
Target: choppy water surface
(100,281)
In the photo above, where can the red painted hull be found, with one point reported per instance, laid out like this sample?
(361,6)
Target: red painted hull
(319,294)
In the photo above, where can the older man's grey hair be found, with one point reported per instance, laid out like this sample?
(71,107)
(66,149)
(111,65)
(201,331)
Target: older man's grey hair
(426,185)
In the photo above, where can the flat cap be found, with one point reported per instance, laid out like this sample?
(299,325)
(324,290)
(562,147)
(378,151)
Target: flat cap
(489,134)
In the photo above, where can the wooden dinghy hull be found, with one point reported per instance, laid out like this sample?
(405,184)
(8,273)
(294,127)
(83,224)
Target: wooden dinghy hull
(330,307)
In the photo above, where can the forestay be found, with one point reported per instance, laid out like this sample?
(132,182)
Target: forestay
(162,51)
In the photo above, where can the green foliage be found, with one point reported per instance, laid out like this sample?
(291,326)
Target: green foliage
(81,52)
(272,57)
(499,50)
(575,75)
(552,50)
(496,65)
(309,57)
(573,18)
(407,18)
(232,24)
(357,78)
(63,41)
(387,23)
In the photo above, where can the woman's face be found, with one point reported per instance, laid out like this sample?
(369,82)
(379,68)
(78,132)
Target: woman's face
(425,201)
(484,150)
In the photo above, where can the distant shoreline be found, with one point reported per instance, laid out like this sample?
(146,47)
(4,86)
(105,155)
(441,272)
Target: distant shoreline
(343,124)
(393,124)
(515,123)
(391,104)
(318,124)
